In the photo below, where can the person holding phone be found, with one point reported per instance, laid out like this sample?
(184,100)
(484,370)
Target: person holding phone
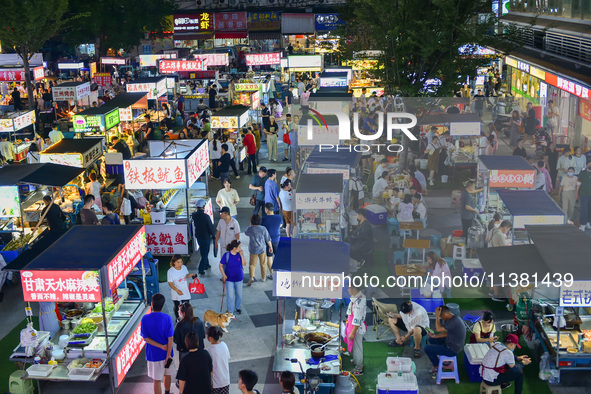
(414,320)
(448,339)
(158,332)
(499,366)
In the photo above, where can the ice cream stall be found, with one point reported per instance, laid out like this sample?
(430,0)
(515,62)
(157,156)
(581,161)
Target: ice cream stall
(176,173)
(16,124)
(101,293)
(320,211)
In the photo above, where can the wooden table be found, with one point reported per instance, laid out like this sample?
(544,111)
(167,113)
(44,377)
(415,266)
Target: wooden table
(416,244)
(405,270)
(418,226)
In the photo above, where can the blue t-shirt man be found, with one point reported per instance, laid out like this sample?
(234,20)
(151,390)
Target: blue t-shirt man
(157,327)
(272,191)
(273,225)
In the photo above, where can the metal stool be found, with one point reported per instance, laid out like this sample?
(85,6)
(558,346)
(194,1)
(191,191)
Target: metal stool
(453,374)
(486,389)
(459,253)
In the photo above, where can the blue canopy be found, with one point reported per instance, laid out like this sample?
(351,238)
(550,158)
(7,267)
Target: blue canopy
(312,255)
(529,203)
(505,163)
(336,156)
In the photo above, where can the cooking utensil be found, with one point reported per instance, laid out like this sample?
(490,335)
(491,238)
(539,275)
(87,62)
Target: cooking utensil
(318,337)
(317,350)
(314,309)
(325,344)
(289,339)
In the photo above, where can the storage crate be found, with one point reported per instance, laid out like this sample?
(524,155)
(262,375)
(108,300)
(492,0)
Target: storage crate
(405,384)
(81,373)
(40,370)
(10,255)
(376,214)
(392,364)
(430,304)
(472,267)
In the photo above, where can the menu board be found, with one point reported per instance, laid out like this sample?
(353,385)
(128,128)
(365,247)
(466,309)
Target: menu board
(9,202)
(224,122)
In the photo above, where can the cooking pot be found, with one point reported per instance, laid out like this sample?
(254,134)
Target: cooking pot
(314,309)
(317,350)
(317,337)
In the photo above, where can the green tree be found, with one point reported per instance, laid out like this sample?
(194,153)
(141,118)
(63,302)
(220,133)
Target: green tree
(421,40)
(119,24)
(26,25)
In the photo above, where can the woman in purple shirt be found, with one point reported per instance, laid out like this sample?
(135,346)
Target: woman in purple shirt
(231,265)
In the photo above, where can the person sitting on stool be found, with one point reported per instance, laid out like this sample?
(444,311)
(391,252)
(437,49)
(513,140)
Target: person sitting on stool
(449,338)
(413,319)
(499,366)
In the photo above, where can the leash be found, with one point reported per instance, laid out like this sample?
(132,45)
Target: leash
(223,294)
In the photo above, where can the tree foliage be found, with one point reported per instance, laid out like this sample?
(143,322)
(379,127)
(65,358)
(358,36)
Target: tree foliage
(421,40)
(119,24)
(26,25)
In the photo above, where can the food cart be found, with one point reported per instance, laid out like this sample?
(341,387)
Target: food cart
(363,77)
(22,188)
(501,172)
(101,335)
(335,160)
(96,122)
(155,87)
(16,124)
(316,320)
(334,79)
(81,153)
(523,207)
(298,64)
(173,167)
(320,209)
(231,120)
(548,308)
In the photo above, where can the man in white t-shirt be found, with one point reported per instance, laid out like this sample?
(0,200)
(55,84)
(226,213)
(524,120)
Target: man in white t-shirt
(552,115)
(413,319)
(380,185)
(420,177)
(383,166)
(499,366)
(228,229)
(55,135)
(420,208)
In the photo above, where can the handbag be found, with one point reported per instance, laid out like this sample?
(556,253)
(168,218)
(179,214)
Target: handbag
(253,200)
(521,128)
(286,138)
(196,287)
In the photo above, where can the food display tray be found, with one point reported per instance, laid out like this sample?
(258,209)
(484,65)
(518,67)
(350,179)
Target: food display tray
(40,370)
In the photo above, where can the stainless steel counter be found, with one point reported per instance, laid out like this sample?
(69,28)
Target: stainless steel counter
(281,364)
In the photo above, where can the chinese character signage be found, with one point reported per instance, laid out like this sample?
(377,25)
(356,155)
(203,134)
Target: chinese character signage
(255,99)
(205,74)
(224,122)
(315,170)
(93,69)
(332,82)
(171,66)
(12,75)
(264,21)
(263,59)
(568,86)
(64,93)
(38,73)
(318,200)
(127,258)
(102,79)
(112,119)
(309,285)
(193,23)
(522,221)
(230,21)
(167,240)
(88,123)
(322,135)
(125,114)
(213,59)
(65,159)
(155,174)
(154,90)
(197,163)
(10,203)
(113,61)
(328,22)
(61,286)
(577,295)
(151,60)
(585,109)
(245,87)
(512,178)
(242,99)
(129,353)
(82,90)
(22,121)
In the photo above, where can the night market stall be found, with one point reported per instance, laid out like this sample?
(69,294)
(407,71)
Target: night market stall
(18,125)
(553,307)
(320,209)
(98,330)
(171,175)
(22,189)
(231,120)
(80,153)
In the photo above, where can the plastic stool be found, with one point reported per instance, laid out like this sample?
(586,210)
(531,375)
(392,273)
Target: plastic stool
(399,255)
(16,385)
(450,262)
(436,240)
(423,341)
(453,374)
(395,241)
(393,226)
(459,253)
(486,389)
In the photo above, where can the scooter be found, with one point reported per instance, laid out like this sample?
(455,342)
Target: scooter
(311,377)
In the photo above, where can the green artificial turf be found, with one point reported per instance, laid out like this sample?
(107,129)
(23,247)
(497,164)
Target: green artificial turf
(7,345)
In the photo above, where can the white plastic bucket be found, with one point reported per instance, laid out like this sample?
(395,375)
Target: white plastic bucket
(424,163)
(418,163)
(444,178)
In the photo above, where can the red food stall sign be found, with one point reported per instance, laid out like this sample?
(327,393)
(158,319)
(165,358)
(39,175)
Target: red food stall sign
(102,79)
(512,178)
(568,86)
(585,109)
(154,174)
(129,353)
(207,74)
(255,98)
(263,59)
(213,59)
(197,163)
(127,258)
(230,21)
(38,73)
(171,66)
(15,75)
(162,240)
(61,286)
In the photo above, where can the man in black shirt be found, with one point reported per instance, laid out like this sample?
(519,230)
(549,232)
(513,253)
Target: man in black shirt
(224,166)
(361,243)
(54,215)
(149,128)
(265,114)
(212,94)
(479,103)
(258,185)
(121,147)
(204,233)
